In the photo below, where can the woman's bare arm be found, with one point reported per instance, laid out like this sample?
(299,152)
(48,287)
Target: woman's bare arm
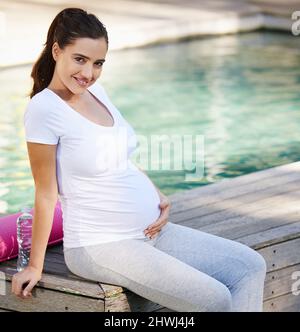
(43,167)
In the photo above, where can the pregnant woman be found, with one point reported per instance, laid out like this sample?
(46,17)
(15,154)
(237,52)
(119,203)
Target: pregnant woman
(115,221)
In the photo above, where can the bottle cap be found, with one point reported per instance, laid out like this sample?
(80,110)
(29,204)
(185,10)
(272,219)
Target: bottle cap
(26,209)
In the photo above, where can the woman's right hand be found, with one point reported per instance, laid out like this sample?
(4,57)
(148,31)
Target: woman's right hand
(29,276)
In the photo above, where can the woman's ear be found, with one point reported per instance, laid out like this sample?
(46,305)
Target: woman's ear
(55,51)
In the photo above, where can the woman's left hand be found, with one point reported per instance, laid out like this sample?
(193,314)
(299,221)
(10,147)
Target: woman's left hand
(165,206)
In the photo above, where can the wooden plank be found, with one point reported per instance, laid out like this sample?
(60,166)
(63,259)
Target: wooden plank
(259,221)
(164,309)
(120,299)
(58,283)
(54,262)
(285,303)
(58,249)
(129,302)
(111,290)
(50,301)
(214,189)
(271,236)
(50,267)
(247,194)
(53,266)
(280,282)
(281,255)
(4,310)
(241,180)
(228,208)
(54,279)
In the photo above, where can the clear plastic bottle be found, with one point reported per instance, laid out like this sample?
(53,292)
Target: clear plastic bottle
(24,233)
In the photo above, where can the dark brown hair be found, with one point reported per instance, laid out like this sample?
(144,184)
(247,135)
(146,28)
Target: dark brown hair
(68,25)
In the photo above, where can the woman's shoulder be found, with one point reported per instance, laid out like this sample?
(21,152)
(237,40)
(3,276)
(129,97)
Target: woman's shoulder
(41,98)
(42,102)
(42,107)
(41,123)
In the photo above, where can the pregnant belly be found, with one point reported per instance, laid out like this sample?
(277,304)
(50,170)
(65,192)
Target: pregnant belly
(137,206)
(125,205)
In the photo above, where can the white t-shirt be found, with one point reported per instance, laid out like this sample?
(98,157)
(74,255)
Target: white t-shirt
(104,196)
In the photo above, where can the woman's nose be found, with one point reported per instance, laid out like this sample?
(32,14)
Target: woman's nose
(87,73)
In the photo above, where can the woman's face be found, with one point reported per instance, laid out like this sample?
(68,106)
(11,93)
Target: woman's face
(78,65)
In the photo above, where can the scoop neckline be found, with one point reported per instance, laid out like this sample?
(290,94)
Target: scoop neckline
(81,116)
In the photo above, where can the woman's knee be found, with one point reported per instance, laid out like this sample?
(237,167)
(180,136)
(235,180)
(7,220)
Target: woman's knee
(256,262)
(212,296)
(221,301)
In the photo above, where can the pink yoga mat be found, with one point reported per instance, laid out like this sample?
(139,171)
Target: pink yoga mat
(8,233)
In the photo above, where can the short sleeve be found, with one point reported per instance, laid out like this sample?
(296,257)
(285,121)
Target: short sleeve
(39,124)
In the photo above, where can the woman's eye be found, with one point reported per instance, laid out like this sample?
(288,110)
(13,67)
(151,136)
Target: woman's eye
(100,64)
(77,59)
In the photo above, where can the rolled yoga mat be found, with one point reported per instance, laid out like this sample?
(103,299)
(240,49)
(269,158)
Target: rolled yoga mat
(8,233)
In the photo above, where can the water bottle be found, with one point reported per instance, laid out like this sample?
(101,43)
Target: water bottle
(24,232)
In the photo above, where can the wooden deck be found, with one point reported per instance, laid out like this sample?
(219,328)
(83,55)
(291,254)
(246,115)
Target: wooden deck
(261,210)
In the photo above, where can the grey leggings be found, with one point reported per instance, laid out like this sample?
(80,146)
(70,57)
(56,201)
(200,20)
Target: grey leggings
(181,268)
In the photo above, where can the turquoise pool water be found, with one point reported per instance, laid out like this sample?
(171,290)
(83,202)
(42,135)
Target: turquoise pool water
(242,92)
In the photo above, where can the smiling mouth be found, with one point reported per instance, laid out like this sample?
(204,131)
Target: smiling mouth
(81,82)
